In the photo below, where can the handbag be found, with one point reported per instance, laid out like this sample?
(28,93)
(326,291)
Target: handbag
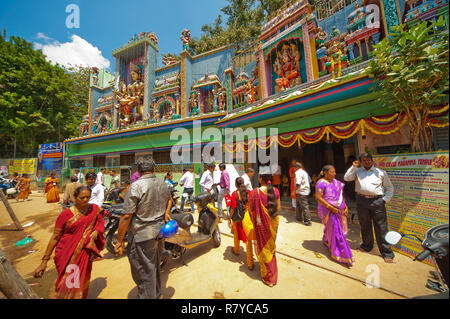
(239,211)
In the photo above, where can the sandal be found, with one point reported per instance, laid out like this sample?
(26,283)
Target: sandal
(268,284)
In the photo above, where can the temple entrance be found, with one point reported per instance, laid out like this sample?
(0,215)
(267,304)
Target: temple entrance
(315,156)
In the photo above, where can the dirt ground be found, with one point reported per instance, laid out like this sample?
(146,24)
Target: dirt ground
(305,269)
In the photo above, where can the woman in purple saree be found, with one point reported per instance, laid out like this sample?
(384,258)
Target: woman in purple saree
(333,211)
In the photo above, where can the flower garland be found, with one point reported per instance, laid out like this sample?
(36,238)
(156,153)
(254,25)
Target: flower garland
(383,125)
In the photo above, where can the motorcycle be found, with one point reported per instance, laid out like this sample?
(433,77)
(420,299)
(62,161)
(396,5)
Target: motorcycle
(113,196)
(8,187)
(112,214)
(208,222)
(113,210)
(435,245)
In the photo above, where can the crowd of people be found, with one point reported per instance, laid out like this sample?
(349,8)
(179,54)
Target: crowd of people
(253,217)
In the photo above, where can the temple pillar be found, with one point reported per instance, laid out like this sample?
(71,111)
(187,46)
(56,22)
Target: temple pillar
(229,87)
(262,75)
(315,64)
(184,88)
(390,14)
(145,106)
(307,50)
(177,103)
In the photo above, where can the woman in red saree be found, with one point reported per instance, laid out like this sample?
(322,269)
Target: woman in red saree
(78,238)
(242,230)
(264,208)
(51,189)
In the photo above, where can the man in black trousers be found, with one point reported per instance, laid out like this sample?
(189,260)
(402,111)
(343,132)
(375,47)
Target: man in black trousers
(146,210)
(374,189)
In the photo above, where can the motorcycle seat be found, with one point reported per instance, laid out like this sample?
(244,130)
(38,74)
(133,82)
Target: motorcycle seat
(184,220)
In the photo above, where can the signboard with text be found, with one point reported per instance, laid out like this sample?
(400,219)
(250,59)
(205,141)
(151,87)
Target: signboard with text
(50,157)
(22,166)
(420,198)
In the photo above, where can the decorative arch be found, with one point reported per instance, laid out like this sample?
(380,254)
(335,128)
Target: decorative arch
(163,99)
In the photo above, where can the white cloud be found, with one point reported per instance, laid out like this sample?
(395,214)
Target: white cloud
(76,52)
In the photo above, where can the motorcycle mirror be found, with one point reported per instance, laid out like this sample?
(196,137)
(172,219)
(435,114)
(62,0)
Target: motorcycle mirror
(393,237)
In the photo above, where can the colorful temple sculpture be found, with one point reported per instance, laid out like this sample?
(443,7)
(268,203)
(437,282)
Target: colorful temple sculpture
(422,10)
(305,74)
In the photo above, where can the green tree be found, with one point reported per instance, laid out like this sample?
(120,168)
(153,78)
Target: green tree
(244,21)
(410,70)
(40,102)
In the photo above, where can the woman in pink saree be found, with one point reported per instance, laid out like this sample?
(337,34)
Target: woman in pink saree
(78,238)
(264,207)
(333,211)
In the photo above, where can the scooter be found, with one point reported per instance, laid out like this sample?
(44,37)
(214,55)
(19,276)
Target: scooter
(208,221)
(435,245)
(9,188)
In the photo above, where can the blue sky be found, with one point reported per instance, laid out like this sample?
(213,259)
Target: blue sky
(104,25)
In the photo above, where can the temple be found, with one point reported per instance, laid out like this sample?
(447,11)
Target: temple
(304,75)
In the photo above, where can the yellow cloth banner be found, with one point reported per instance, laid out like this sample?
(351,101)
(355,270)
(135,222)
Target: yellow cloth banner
(22,166)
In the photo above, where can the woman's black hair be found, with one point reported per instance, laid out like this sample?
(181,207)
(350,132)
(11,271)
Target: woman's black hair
(271,200)
(80,189)
(167,175)
(240,185)
(325,169)
(74,178)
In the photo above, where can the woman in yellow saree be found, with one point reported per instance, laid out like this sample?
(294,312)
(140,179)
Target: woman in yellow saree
(264,208)
(24,188)
(51,189)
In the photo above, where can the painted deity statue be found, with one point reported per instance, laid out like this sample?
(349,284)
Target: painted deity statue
(185,38)
(222,99)
(193,101)
(130,99)
(124,107)
(250,92)
(287,66)
(321,37)
(136,92)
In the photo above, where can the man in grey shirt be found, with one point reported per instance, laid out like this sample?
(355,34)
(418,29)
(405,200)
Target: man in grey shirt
(147,207)
(374,189)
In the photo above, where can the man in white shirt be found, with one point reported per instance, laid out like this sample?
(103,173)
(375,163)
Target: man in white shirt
(100,177)
(97,191)
(374,189)
(187,181)
(207,180)
(248,178)
(302,189)
(80,176)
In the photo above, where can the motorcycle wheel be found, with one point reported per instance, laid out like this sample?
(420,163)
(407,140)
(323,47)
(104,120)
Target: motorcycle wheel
(111,239)
(216,238)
